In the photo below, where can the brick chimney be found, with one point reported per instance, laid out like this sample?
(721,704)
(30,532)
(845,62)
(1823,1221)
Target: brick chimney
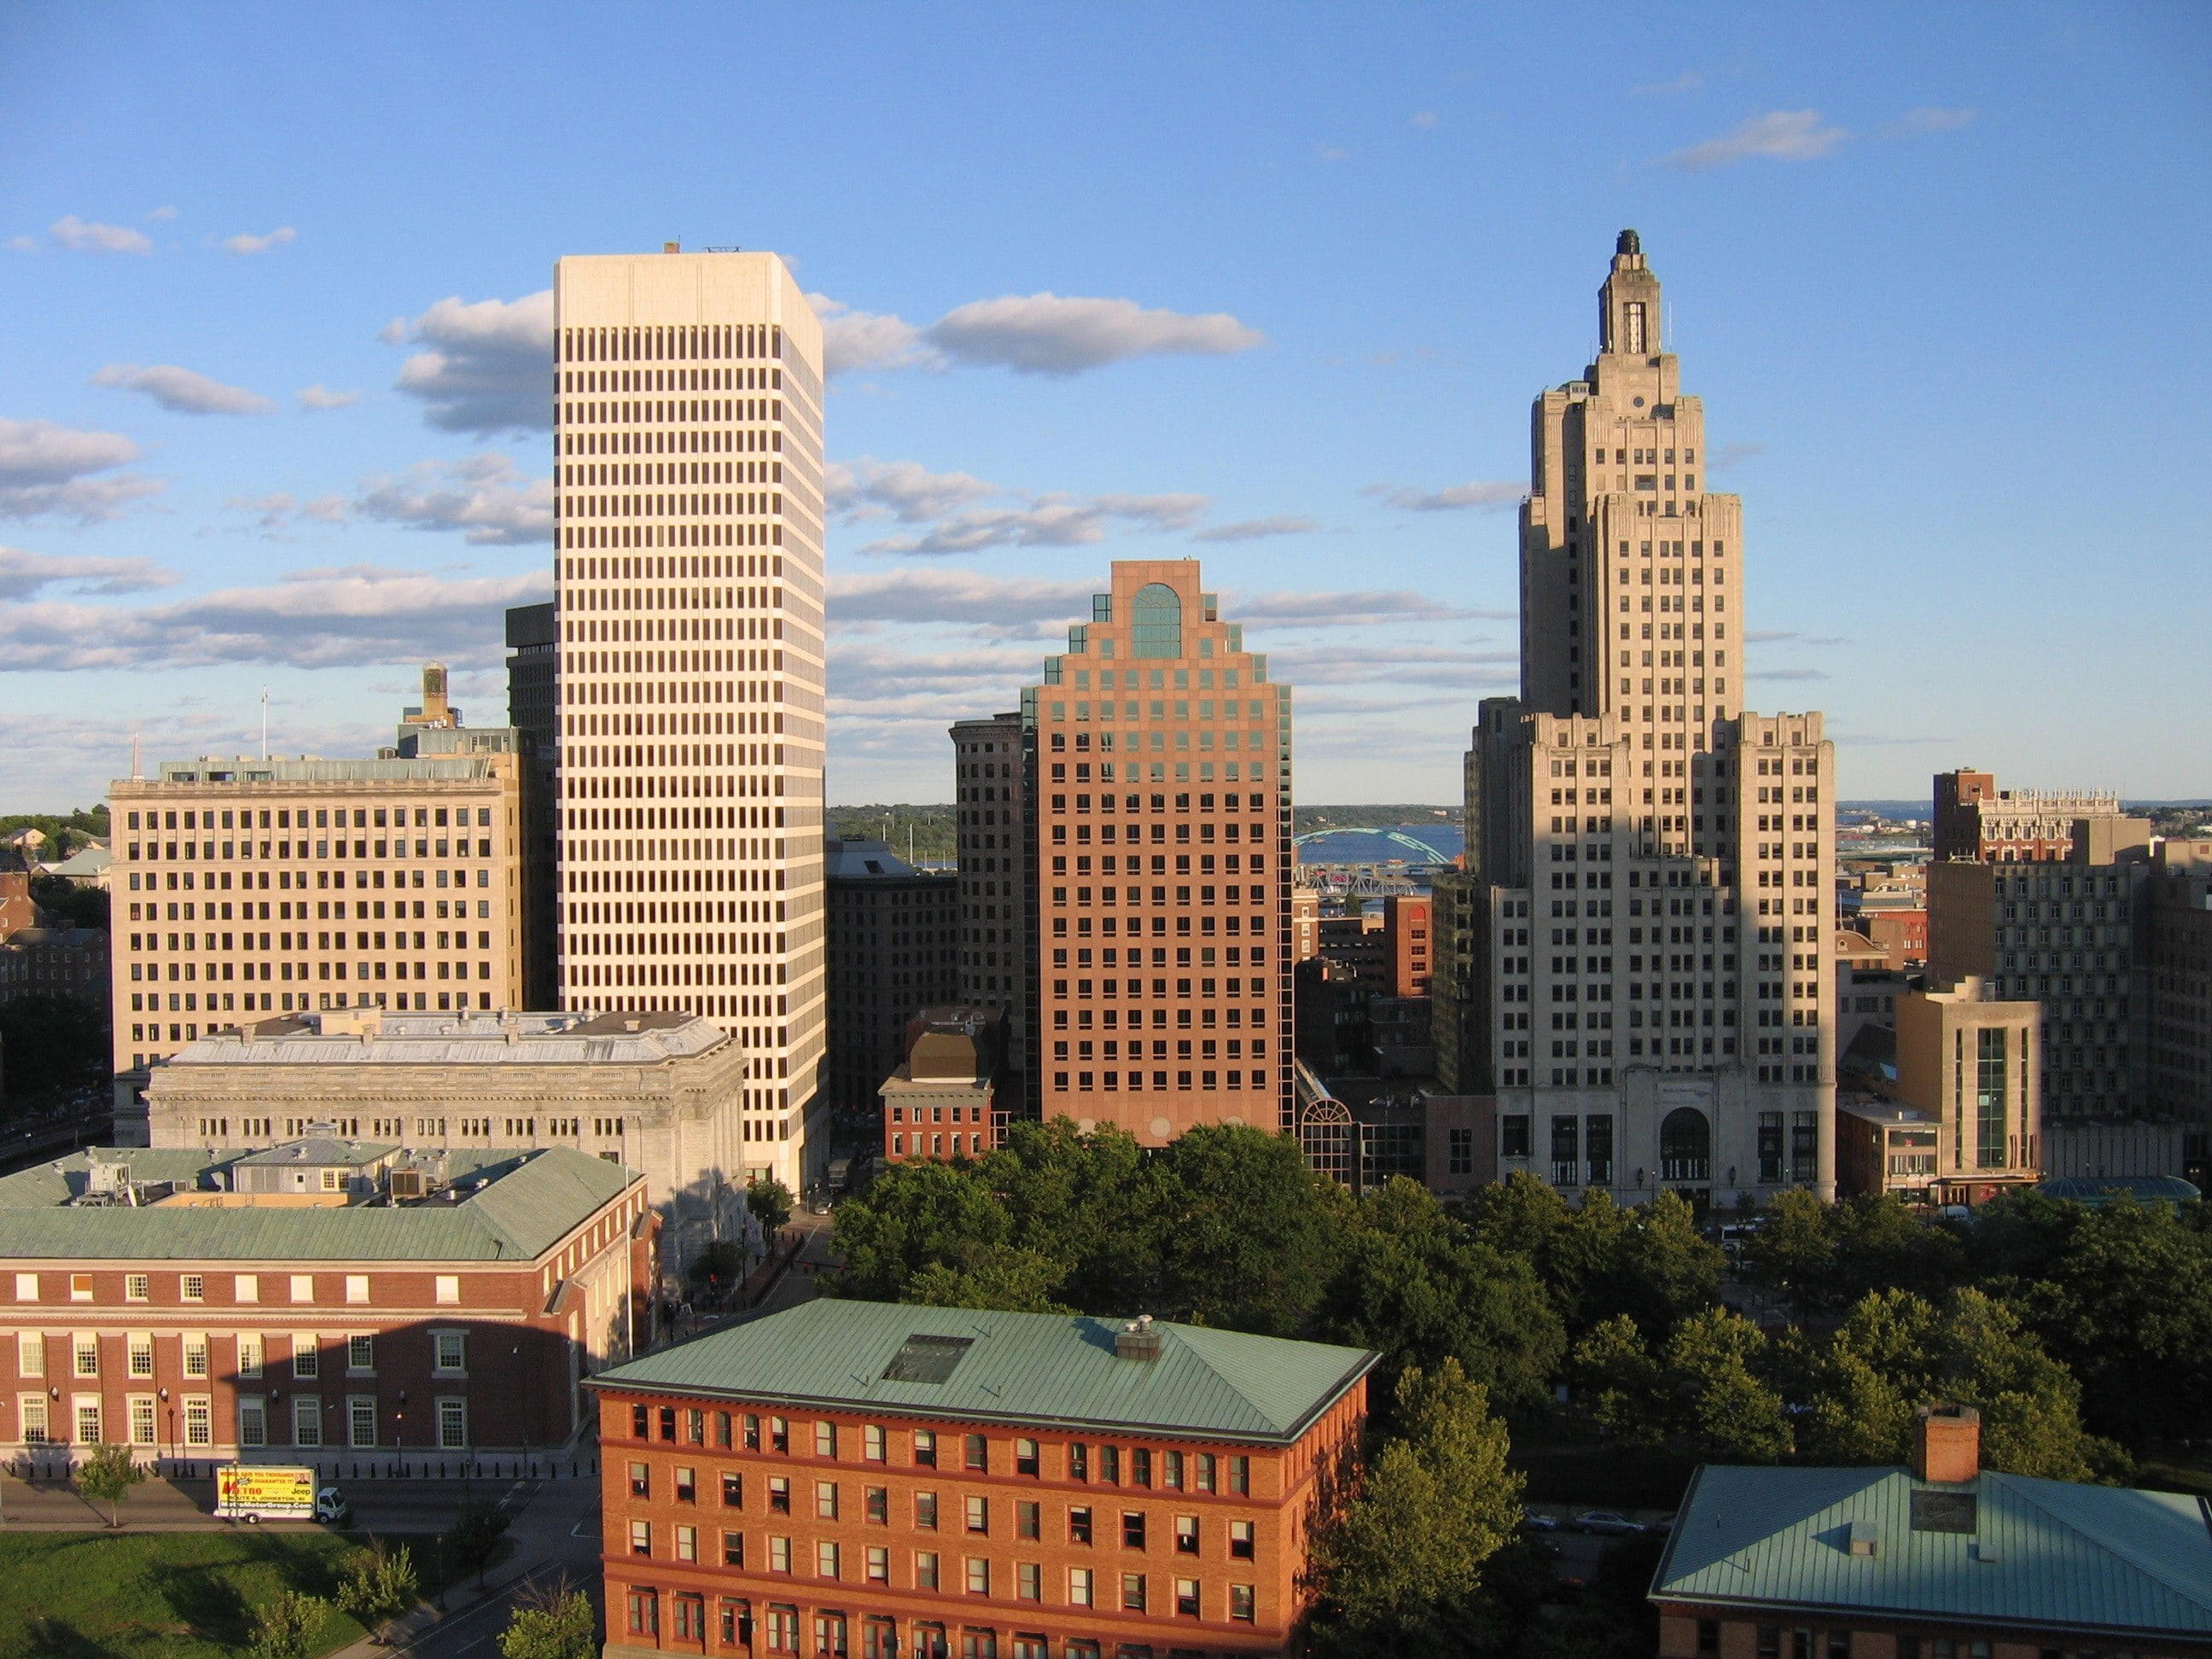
(1947,1443)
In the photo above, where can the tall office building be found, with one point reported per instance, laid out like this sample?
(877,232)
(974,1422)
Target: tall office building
(687,587)
(992,852)
(1157,775)
(1651,864)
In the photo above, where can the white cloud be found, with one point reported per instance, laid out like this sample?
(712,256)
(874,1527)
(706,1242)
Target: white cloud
(854,340)
(961,596)
(1475,492)
(306,619)
(1252,530)
(1919,122)
(483,495)
(1731,455)
(1787,674)
(488,366)
(1365,663)
(905,490)
(1687,81)
(22,244)
(1048,521)
(161,215)
(1782,135)
(91,237)
(319,395)
(246,242)
(23,573)
(1031,334)
(1330,153)
(183,391)
(46,468)
(277,512)
(1357,608)
(1422,120)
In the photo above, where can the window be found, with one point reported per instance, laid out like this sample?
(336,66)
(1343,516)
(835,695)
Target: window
(30,1353)
(1132,1592)
(249,1356)
(253,1422)
(778,1433)
(360,1419)
(360,1353)
(449,1351)
(27,1287)
(1240,1540)
(925,1569)
(31,1415)
(779,1495)
(88,1423)
(449,1288)
(196,1355)
(1156,621)
(199,1420)
(1240,1476)
(687,1486)
(641,1538)
(1186,1535)
(192,1287)
(825,1439)
(1171,1470)
(1029,1520)
(1186,1598)
(137,1286)
(827,1558)
(142,1420)
(1079,1587)
(80,1287)
(925,1510)
(142,1353)
(925,1448)
(1110,1465)
(979,1575)
(1026,1457)
(733,1489)
(875,1444)
(357,1287)
(86,1348)
(307,1420)
(1203,1482)
(879,1565)
(979,1452)
(303,1287)
(245,1287)
(1133,1530)
(644,1612)
(1078,1525)
(1240,1603)
(690,1610)
(307,1357)
(641,1479)
(825,1500)
(453,1423)
(779,1555)
(733,1549)
(1029,1580)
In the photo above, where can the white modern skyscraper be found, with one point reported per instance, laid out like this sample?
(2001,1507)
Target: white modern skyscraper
(1652,864)
(689,463)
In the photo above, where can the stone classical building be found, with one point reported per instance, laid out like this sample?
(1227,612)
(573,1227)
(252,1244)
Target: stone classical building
(894,951)
(1157,768)
(1650,865)
(655,1091)
(1975,819)
(688,584)
(246,888)
(354,1306)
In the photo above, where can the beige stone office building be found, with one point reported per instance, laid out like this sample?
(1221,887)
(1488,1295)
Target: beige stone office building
(1651,862)
(244,888)
(688,460)
(652,1091)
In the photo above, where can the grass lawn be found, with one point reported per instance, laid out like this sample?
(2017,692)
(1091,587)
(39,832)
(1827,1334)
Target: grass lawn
(163,1596)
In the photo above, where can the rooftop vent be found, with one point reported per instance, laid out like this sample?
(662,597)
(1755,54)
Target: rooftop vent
(1864,1538)
(927,1358)
(1140,1339)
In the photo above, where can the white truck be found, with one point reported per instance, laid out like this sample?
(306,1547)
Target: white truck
(253,1492)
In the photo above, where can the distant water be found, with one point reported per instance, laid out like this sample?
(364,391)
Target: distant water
(1442,839)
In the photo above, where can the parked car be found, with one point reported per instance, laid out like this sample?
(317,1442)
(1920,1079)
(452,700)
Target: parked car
(1610,1522)
(1533,1521)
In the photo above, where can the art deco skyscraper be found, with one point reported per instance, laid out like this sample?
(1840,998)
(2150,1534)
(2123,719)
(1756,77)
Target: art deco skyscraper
(1648,956)
(689,588)
(1157,776)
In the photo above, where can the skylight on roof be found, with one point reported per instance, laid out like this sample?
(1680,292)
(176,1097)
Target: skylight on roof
(1944,1511)
(927,1358)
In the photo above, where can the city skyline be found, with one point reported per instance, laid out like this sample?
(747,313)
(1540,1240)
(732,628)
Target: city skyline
(216,474)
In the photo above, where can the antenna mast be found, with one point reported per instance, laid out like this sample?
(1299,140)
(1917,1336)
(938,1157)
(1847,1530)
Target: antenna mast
(265,723)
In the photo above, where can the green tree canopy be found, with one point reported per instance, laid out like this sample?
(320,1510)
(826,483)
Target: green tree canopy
(1247,1234)
(107,1476)
(769,1204)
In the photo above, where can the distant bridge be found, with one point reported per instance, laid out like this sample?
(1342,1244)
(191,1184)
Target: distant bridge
(1429,854)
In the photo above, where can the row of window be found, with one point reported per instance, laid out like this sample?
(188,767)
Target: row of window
(192,1287)
(190,1421)
(1076,1459)
(448,1353)
(781,1631)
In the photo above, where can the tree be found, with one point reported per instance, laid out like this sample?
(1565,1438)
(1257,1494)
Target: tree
(552,1622)
(52,1047)
(1726,1410)
(471,1539)
(1649,1262)
(991,1276)
(1621,1385)
(380,1586)
(1082,1201)
(1247,1233)
(1402,1560)
(285,1628)
(1415,1285)
(719,1267)
(913,1216)
(69,904)
(1792,1253)
(769,1201)
(107,1476)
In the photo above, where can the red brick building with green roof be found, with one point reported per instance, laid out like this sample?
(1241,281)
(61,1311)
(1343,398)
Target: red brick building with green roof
(864,1480)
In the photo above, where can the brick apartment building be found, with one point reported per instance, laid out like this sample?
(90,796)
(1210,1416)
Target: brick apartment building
(863,1479)
(329,1302)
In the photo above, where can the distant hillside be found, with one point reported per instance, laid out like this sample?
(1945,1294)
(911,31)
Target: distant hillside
(1306,819)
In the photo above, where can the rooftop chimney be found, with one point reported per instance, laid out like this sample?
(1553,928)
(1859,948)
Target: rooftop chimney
(1139,1340)
(1947,1443)
(671,247)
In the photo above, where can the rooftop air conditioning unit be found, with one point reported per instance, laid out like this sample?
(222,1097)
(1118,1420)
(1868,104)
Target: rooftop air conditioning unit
(408,1183)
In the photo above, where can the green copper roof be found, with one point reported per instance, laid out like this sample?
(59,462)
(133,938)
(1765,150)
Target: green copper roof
(528,1200)
(1056,1369)
(2035,1554)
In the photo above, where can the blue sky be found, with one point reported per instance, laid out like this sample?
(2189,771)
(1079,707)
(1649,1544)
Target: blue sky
(1274,288)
